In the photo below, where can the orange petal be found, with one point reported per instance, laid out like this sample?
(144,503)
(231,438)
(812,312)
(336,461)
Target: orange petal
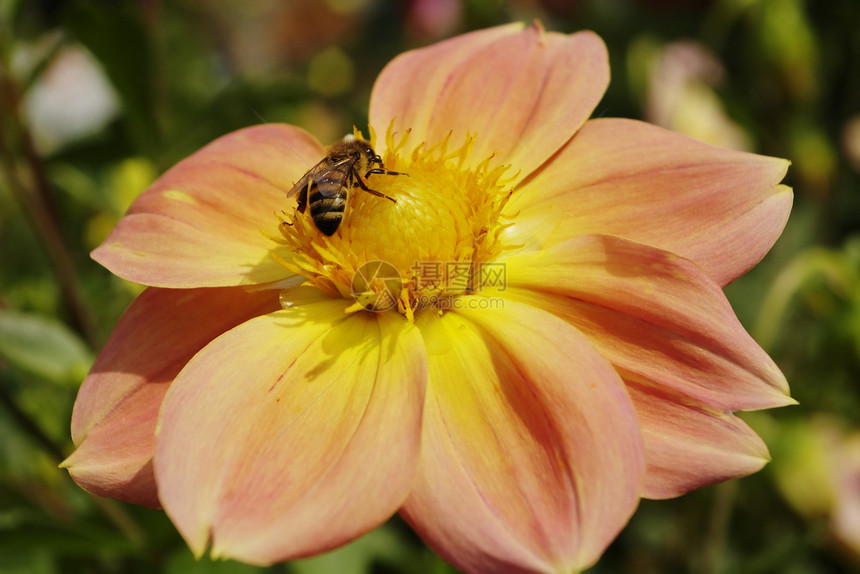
(293,433)
(670,333)
(531,456)
(202,223)
(113,423)
(407,88)
(524,93)
(655,316)
(688,446)
(722,209)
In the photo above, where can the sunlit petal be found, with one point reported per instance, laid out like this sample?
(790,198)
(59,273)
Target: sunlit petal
(113,422)
(722,209)
(672,336)
(523,93)
(688,446)
(204,222)
(531,456)
(657,317)
(407,88)
(293,433)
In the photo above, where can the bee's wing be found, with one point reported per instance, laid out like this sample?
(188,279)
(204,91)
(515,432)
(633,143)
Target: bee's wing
(305,181)
(332,179)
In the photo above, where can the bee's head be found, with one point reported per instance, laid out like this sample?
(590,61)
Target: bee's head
(372,156)
(368,151)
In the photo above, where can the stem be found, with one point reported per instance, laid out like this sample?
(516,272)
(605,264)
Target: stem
(715,547)
(38,203)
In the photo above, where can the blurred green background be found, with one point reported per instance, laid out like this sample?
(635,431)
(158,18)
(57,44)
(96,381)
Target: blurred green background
(97,98)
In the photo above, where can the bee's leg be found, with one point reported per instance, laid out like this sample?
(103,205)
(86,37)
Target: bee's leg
(380,171)
(360,182)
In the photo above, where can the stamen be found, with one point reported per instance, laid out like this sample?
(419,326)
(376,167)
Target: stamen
(444,223)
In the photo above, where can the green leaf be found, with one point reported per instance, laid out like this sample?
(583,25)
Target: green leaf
(43,347)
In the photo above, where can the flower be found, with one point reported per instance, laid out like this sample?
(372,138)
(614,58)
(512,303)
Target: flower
(514,423)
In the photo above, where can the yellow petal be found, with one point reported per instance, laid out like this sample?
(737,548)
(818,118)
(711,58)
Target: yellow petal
(531,456)
(293,433)
(113,422)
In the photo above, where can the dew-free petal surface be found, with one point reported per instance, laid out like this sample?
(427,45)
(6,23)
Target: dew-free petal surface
(522,93)
(688,446)
(408,86)
(655,316)
(531,457)
(203,223)
(293,433)
(674,339)
(722,209)
(113,422)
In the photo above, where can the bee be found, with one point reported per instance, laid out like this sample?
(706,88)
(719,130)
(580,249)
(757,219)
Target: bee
(325,187)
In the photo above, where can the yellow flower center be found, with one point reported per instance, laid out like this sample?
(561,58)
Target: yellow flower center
(437,240)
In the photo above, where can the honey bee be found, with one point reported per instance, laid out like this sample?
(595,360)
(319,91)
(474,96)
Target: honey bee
(325,187)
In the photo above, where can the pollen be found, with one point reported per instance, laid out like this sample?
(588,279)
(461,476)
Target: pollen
(421,250)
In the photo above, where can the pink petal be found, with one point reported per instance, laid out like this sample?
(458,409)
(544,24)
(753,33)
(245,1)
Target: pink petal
(670,333)
(531,456)
(688,446)
(113,423)
(408,86)
(293,433)
(522,93)
(722,209)
(115,459)
(656,317)
(202,223)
